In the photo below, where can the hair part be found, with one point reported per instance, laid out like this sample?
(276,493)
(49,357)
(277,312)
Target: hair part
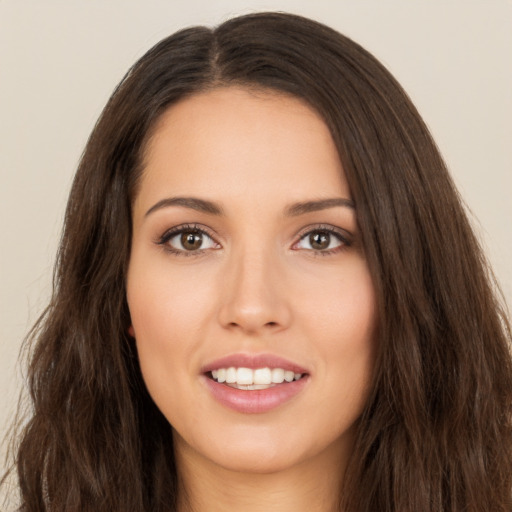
(436,433)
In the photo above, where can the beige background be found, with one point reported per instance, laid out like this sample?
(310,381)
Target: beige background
(60,60)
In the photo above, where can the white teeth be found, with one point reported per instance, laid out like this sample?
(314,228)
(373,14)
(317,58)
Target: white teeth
(244,376)
(251,387)
(260,378)
(231,375)
(277,375)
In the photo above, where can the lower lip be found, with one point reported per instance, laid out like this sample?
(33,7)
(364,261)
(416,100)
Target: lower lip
(258,400)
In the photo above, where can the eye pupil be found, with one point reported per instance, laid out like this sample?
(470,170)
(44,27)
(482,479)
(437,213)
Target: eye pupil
(191,241)
(319,240)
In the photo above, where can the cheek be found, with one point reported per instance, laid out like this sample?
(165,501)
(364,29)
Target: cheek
(343,308)
(342,321)
(167,314)
(166,303)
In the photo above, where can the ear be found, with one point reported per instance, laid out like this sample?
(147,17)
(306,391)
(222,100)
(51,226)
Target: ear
(131,331)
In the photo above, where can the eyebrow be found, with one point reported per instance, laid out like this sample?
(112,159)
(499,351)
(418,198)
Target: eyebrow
(294,210)
(201,205)
(322,204)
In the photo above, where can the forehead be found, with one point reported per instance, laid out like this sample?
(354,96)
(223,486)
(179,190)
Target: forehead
(239,142)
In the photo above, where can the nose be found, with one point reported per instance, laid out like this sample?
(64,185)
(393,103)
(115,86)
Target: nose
(254,296)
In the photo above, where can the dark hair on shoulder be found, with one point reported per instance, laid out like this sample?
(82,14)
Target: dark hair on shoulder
(436,432)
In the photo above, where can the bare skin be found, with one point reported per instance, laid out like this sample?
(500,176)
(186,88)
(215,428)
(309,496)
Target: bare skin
(245,242)
(302,487)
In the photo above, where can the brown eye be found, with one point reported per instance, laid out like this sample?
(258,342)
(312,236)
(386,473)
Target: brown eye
(319,240)
(191,241)
(323,241)
(187,240)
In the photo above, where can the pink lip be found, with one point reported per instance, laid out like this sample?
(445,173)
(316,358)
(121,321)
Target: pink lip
(254,401)
(253,361)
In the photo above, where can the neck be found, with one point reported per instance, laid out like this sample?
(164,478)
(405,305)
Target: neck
(312,485)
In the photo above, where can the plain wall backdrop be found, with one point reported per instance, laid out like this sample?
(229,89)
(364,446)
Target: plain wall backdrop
(60,61)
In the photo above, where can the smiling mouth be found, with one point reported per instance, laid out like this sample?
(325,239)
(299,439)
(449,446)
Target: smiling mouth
(253,379)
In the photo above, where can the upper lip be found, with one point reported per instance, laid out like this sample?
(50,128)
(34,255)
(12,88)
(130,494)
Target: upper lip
(253,361)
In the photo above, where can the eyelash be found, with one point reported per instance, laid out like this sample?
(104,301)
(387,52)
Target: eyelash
(343,237)
(184,228)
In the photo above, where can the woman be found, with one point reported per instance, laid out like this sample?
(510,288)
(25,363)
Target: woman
(267,296)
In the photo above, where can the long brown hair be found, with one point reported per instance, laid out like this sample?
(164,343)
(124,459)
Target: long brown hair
(436,432)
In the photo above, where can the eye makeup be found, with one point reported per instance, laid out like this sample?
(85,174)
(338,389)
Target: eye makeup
(196,239)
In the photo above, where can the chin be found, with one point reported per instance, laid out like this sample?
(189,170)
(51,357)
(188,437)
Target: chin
(260,461)
(244,450)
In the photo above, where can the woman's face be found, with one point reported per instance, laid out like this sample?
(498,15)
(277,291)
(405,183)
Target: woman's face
(247,267)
